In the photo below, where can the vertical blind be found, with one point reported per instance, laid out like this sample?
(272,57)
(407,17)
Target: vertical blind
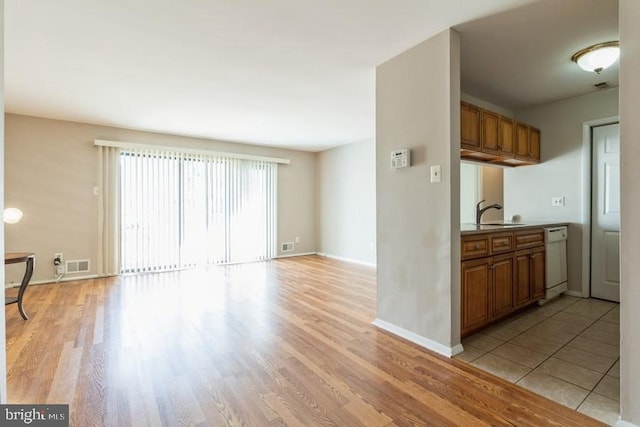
(180,210)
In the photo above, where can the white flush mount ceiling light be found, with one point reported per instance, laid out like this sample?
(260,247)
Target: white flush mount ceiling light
(597,57)
(12,215)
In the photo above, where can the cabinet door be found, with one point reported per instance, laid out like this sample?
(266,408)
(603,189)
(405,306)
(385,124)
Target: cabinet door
(522,141)
(506,145)
(475,294)
(490,132)
(534,145)
(502,270)
(469,126)
(538,272)
(522,286)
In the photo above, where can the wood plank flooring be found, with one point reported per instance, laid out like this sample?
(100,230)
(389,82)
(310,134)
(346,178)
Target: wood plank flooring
(286,342)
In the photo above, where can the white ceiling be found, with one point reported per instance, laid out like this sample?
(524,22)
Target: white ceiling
(522,57)
(290,73)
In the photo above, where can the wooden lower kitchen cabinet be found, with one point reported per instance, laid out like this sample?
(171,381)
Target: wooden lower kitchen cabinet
(501,284)
(522,284)
(501,272)
(487,291)
(538,272)
(530,276)
(475,294)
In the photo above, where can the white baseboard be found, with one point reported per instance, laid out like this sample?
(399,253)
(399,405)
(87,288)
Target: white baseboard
(622,423)
(296,254)
(64,279)
(352,261)
(418,339)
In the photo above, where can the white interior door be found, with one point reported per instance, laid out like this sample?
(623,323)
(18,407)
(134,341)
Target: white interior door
(605,213)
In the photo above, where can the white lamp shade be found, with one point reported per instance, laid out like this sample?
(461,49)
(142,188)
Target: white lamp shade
(598,59)
(12,215)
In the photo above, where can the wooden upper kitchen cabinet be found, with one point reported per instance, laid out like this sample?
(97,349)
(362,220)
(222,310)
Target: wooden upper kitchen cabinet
(506,145)
(522,141)
(489,137)
(490,131)
(534,145)
(469,126)
(527,143)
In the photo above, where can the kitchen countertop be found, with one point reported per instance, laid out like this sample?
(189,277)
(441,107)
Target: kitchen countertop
(466,229)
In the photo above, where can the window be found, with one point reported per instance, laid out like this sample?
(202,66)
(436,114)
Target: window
(182,210)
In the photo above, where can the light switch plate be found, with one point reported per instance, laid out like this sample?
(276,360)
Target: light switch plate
(557,201)
(435,173)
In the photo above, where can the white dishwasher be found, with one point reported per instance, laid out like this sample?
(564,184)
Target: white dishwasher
(555,239)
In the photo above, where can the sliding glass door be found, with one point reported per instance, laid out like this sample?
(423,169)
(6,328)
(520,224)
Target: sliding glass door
(183,210)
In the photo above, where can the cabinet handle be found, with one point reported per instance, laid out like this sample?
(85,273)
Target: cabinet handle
(476,247)
(533,256)
(493,266)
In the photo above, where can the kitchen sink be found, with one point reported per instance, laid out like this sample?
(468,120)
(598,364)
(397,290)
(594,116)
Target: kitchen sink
(504,224)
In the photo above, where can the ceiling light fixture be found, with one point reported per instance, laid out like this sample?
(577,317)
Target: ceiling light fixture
(597,57)
(12,215)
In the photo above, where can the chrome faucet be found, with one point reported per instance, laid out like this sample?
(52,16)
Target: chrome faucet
(479,211)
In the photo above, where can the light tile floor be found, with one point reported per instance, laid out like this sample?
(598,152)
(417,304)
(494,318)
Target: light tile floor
(567,350)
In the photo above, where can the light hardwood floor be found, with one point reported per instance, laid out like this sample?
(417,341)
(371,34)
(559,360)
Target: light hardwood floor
(286,342)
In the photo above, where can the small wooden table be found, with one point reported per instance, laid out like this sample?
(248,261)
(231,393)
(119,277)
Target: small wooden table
(15,258)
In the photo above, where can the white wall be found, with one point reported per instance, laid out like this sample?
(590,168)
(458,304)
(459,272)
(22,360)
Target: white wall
(51,169)
(528,189)
(346,194)
(417,107)
(630,212)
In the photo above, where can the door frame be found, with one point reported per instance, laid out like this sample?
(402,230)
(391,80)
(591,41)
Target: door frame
(587,165)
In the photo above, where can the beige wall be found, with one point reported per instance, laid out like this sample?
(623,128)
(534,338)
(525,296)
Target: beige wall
(564,171)
(492,192)
(630,212)
(51,169)
(346,194)
(3,353)
(417,107)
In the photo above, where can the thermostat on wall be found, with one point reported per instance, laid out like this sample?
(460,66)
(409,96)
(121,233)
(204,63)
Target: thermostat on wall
(400,158)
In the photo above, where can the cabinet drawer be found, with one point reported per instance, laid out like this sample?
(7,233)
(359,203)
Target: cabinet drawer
(475,246)
(529,238)
(502,242)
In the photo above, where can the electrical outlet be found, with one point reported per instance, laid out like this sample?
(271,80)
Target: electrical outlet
(297,239)
(58,263)
(557,201)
